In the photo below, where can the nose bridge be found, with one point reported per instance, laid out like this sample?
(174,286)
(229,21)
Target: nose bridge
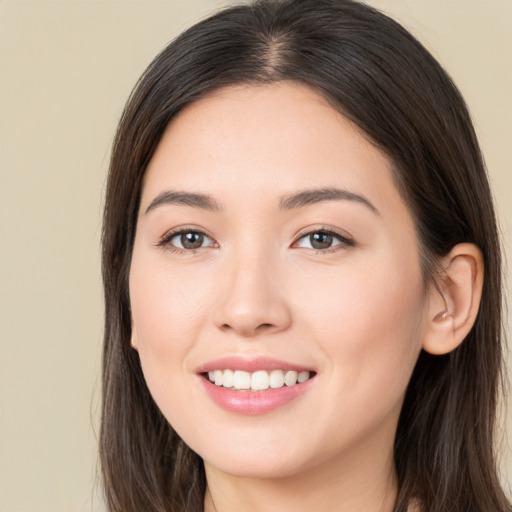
(252,299)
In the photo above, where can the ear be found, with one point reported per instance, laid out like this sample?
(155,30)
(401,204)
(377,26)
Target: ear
(454,302)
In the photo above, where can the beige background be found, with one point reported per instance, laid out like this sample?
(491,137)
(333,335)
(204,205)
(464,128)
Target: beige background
(66,68)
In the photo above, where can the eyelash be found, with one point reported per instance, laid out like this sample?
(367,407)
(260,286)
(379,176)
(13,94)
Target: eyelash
(344,240)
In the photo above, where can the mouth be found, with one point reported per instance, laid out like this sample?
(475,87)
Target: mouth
(260,380)
(250,386)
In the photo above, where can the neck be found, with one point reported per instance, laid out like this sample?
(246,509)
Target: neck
(369,486)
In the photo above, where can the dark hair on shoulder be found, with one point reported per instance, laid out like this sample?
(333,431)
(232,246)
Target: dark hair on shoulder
(380,77)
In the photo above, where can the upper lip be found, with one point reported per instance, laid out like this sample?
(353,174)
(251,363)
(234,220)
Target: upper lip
(250,364)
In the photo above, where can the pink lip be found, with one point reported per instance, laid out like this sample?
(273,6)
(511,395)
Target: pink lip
(249,364)
(253,402)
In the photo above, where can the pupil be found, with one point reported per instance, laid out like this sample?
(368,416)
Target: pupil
(320,240)
(192,240)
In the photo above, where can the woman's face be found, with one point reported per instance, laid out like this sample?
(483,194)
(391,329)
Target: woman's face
(271,245)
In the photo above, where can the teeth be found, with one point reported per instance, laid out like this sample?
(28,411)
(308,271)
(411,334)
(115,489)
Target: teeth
(276,379)
(257,381)
(290,379)
(302,377)
(228,378)
(241,380)
(260,380)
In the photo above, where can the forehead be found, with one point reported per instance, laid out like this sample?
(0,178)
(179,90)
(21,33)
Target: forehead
(266,139)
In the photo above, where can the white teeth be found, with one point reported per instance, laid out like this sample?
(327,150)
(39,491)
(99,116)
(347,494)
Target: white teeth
(276,379)
(228,378)
(241,380)
(302,377)
(257,381)
(290,379)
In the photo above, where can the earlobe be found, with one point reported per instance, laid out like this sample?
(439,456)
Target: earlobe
(454,302)
(133,343)
(134,338)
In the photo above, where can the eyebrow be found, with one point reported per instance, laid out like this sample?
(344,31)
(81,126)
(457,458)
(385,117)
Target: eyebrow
(313,196)
(194,200)
(290,202)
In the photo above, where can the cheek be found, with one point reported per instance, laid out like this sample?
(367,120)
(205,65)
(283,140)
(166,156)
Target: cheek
(166,323)
(166,308)
(164,320)
(368,320)
(171,307)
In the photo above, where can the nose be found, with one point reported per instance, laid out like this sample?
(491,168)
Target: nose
(252,300)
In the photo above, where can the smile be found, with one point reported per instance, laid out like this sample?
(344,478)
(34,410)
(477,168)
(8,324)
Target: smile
(254,385)
(260,380)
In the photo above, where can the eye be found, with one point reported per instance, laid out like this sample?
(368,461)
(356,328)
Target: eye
(187,240)
(323,240)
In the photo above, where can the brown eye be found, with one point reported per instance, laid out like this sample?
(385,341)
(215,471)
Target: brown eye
(320,240)
(187,240)
(191,240)
(323,240)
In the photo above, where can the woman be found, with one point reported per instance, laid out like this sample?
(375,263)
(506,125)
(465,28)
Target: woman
(297,227)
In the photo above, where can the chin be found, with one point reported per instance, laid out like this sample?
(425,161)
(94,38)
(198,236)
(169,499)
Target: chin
(262,460)
(261,467)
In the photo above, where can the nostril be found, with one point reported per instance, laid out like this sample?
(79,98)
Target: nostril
(248,329)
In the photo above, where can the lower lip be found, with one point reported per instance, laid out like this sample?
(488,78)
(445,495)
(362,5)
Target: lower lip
(254,402)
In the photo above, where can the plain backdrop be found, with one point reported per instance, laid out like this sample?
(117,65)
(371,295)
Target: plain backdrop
(66,69)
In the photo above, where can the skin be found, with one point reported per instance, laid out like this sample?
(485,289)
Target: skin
(356,313)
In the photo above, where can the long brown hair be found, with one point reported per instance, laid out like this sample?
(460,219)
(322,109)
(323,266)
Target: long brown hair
(375,73)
